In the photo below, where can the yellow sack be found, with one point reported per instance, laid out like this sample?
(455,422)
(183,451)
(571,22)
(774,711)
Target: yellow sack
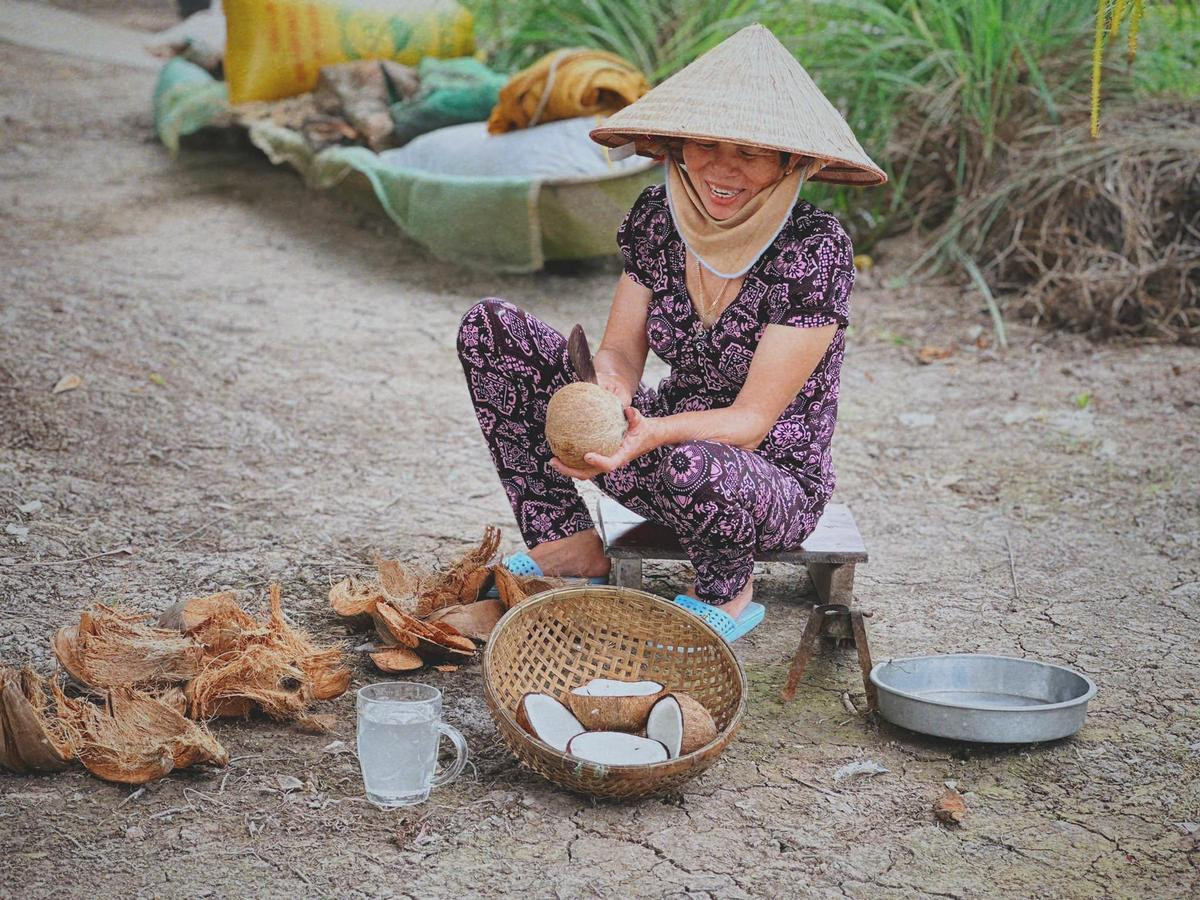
(276,48)
(565,84)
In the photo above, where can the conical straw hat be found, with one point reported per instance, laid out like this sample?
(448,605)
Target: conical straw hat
(747,90)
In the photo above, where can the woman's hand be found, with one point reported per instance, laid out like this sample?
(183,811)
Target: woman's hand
(641,436)
(614,386)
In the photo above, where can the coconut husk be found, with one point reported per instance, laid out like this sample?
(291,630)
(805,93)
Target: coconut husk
(431,643)
(508,587)
(475,584)
(322,665)
(110,648)
(269,665)
(33,738)
(516,589)
(354,598)
(475,620)
(396,659)
(136,738)
(391,627)
(258,674)
(419,592)
(217,621)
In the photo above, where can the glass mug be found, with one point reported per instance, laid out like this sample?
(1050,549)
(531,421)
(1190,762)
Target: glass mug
(399,726)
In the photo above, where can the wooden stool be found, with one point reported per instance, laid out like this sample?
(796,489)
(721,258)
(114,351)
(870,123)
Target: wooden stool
(830,554)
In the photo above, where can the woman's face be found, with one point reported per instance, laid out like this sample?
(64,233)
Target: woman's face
(727,176)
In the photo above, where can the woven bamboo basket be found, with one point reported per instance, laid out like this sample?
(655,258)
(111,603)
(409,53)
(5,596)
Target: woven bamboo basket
(565,637)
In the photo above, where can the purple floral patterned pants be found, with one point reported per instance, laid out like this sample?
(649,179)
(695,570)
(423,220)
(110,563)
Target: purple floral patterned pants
(723,503)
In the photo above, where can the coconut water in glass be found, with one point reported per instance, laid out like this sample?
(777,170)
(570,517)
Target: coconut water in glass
(399,727)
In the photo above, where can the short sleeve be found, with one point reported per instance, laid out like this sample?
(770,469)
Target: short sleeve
(641,235)
(814,265)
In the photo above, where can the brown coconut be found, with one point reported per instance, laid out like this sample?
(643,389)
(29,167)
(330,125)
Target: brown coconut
(33,737)
(584,418)
(695,724)
(136,738)
(623,706)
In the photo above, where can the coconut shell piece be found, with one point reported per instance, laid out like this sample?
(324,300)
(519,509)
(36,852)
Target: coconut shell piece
(354,598)
(33,738)
(475,620)
(110,648)
(136,738)
(950,808)
(474,584)
(396,659)
(611,709)
(685,728)
(391,626)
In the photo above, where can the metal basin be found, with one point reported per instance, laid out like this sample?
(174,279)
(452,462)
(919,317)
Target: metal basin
(974,697)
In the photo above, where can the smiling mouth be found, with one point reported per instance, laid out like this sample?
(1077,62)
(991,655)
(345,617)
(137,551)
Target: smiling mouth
(721,193)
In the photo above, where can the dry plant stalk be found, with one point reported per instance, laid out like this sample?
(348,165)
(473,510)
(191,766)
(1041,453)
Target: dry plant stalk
(109,648)
(1099,236)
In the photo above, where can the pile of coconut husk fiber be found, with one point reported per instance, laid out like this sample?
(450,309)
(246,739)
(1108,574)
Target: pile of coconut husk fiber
(433,616)
(1098,235)
(148,688)
(132,737)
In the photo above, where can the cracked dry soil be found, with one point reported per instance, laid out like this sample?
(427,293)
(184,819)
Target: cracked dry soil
(270,390)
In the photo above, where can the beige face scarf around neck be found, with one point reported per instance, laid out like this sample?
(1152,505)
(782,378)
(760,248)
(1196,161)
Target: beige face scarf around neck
(729,247)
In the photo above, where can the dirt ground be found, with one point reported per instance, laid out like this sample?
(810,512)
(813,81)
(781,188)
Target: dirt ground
(270,391)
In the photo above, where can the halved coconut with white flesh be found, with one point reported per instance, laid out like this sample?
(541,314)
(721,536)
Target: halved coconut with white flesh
(604,704)
(616,748)
(545,718)
(681,723)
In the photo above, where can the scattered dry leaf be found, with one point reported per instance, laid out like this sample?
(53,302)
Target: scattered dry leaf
(67,383)
(950,808)
(931,353)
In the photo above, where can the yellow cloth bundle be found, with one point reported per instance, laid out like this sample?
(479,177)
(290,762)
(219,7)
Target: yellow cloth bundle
(565,84)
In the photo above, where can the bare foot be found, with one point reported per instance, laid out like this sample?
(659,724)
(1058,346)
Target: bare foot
(580,554)
(738,604)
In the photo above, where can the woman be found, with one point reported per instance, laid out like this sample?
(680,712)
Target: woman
(742,289)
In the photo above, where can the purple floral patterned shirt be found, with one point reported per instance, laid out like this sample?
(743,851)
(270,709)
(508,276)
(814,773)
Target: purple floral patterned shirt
(803,279)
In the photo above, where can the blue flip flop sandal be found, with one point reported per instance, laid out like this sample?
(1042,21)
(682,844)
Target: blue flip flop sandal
(522,564)
(720,621)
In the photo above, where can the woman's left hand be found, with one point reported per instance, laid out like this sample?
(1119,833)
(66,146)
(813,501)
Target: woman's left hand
(641,436)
